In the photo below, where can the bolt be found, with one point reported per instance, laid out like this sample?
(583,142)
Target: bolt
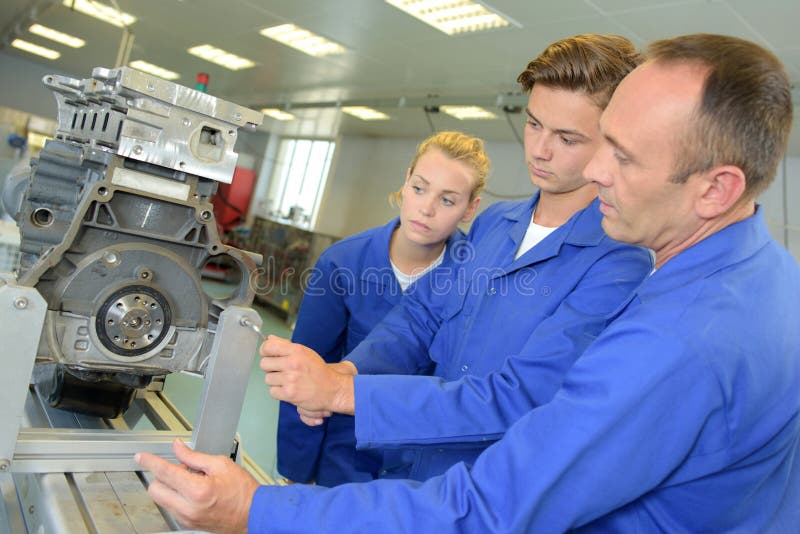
(187,122)
(110,257)
(137,150)
(151,87)
(20,303)
(4,464)
(237,117)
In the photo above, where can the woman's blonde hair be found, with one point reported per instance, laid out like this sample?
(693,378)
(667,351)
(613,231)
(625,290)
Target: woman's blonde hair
(459,147)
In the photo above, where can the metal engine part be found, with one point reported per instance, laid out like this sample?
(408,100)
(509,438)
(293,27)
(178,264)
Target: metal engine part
(116,224)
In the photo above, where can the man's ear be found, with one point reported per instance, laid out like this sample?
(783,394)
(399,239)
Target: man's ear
(471,210)
(720,189)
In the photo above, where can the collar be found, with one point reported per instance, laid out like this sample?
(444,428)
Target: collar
(376,255)
(731,245)
(583,229)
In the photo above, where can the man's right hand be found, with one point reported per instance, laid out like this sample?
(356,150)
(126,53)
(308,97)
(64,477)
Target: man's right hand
(298,375)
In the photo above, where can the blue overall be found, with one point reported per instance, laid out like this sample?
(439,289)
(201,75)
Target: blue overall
(683,416)
(496,345)
(351,288)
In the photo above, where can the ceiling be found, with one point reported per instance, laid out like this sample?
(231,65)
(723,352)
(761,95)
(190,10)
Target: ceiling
(393,61)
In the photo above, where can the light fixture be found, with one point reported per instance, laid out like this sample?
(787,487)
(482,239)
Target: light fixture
(467,112)
(101,11)
(452,16)
(303,40)
(221,57)
(57,36)
(364,113)
(35,49)
(278,114)
(155,70)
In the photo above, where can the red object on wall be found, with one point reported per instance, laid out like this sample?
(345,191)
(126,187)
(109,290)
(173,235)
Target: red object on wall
(233,200)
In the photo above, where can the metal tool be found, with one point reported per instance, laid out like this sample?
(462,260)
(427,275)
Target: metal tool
(244,321)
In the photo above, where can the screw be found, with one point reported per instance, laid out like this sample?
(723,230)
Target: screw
(20,303)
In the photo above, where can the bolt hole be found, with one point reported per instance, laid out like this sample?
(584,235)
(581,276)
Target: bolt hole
(42,217)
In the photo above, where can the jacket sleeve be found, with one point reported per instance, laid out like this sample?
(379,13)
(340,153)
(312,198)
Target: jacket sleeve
(322,326)
(399,343)
(628,414)
(395,411)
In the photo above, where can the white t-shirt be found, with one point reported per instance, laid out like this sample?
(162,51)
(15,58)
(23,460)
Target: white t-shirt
(533,236)
(406,280)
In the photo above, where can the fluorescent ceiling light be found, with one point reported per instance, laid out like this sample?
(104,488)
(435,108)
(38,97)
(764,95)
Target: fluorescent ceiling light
(54,35)
(221,57)
(467,112)
(364,113)
(155,70)
(101,11)
(278,114)
(303,40)
(452,16)
(35,49)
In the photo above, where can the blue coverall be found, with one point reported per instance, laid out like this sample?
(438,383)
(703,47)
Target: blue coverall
(351,288)
(683,416)
(497,344)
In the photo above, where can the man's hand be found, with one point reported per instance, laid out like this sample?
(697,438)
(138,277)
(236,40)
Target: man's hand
(298,375)
(216,497)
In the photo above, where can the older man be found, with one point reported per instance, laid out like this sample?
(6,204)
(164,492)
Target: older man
(684,414)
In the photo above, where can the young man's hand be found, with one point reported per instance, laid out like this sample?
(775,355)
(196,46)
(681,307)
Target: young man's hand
(298,375)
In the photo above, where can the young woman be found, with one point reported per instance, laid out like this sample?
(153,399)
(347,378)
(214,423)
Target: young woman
(357,280)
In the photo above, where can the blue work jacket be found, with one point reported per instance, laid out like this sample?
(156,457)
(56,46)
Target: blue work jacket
(351,288)
(497,342)
(683,416)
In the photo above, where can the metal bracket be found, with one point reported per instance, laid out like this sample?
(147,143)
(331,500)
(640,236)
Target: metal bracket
(48,450)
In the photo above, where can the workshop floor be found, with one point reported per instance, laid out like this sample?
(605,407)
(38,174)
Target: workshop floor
(258,422)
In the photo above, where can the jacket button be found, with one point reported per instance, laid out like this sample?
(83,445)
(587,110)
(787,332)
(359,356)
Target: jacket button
(492,291)
(464,368)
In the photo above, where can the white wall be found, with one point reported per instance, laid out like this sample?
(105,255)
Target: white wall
(781,205)
(367,170)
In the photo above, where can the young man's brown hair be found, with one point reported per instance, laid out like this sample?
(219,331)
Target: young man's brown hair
(589,63)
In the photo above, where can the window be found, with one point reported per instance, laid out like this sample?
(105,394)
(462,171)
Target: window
(298,179)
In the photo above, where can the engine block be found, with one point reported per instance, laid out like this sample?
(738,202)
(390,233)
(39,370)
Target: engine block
(116,223)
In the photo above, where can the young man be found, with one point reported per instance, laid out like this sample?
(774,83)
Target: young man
(684,414)
(524,302)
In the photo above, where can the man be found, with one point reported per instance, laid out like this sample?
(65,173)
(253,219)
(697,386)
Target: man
(534,290)
(684,414)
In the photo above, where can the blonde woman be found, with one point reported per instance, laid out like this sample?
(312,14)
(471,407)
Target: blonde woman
(359,279)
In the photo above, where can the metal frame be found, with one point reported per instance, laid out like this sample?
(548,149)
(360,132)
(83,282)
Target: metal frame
(55,450)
